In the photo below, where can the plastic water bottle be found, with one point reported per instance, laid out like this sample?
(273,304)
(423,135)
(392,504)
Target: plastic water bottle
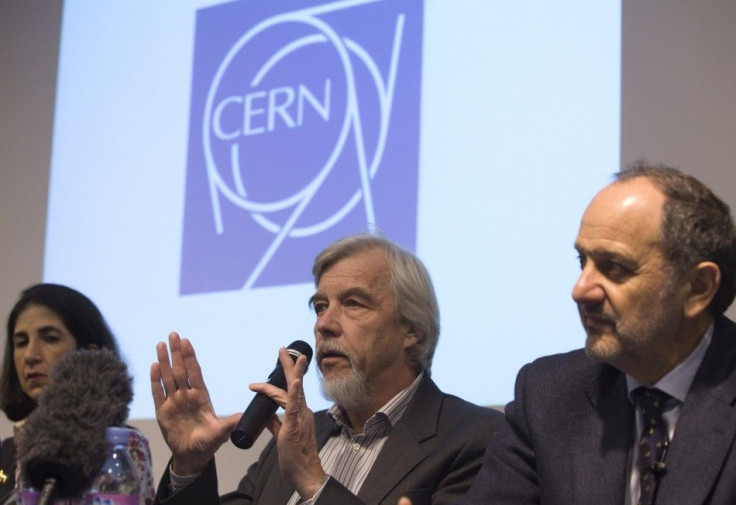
(117,482)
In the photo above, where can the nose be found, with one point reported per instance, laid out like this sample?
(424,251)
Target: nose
(327,324)
(588,288)
(32,351)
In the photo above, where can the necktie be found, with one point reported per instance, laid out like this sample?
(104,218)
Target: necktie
(653,442)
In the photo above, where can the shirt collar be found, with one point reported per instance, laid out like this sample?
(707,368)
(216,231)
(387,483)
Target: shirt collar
(391,410)
(678,381)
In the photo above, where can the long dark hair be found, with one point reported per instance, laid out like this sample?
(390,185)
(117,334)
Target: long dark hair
(80,316)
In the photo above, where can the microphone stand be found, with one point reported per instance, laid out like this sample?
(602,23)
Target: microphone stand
(48,492)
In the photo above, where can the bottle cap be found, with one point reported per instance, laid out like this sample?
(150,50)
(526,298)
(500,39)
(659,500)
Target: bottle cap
(117,435)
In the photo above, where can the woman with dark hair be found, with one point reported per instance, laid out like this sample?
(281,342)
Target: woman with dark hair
(47,322)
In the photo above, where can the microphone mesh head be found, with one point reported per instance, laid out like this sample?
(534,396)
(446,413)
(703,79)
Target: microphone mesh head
(64,437)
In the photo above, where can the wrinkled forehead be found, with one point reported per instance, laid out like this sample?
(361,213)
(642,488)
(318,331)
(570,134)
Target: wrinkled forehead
(364,251)
(367,269)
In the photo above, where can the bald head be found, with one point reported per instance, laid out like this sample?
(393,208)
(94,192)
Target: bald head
(696,226)
(628,211)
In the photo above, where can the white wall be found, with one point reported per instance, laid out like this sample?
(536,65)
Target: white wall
(678,107)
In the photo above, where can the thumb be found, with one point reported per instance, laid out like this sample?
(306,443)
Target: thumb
(232,420)
(404,501)
(225,426)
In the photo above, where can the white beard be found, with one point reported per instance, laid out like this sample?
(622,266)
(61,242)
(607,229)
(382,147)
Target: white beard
(349,392)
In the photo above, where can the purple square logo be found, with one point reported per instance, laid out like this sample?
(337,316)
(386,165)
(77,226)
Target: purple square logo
(304,127)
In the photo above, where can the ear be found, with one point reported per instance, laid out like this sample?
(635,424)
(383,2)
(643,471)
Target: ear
(704,280)
(411,338)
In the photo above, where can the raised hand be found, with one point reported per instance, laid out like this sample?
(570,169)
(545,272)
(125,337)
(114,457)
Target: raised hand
(184,411)
(404,501)
(295,436)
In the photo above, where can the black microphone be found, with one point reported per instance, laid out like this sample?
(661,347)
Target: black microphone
(262,407)
(62,445)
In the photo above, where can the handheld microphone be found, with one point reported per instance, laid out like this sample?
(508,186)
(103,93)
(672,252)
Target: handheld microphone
(262,407)
(62,445)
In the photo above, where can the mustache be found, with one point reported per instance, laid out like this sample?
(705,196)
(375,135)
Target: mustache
(595,310)
(332,347)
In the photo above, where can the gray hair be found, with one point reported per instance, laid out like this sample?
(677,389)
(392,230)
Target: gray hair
(416,303)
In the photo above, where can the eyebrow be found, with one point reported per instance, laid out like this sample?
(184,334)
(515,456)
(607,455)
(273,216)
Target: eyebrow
(604,254)
(43,330)
(356,291)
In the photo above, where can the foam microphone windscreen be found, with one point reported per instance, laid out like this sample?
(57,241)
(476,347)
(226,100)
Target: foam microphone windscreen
(64,437)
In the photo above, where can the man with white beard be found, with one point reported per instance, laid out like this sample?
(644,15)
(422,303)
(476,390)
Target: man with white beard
(391,431)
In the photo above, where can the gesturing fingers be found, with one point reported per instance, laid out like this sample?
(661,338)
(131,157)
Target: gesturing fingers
(300,367)
(178,364)
(292,369)
(156,387)
(296,403)
(191,365)
(295,412)
(162,370)
(277,394)
(180,371)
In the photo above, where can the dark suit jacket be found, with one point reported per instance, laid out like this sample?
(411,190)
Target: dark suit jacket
(7,465)
(431,456)
(567,435)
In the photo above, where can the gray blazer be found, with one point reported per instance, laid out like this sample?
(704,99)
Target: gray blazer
(431,456)
(567,435)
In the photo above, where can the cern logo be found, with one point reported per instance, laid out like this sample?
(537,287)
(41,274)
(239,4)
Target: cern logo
(296,136)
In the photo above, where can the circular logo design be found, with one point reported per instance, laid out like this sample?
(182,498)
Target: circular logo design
(283,120)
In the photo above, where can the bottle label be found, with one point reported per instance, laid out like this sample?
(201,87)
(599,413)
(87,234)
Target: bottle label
(27,497)
(111,499)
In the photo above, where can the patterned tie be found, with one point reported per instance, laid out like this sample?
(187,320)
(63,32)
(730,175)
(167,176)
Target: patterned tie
(653,443)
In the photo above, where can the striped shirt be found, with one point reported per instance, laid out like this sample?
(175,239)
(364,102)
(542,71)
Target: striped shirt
(348,456)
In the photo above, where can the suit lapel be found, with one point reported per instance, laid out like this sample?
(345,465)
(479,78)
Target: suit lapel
(600,432)
(278,493)
(706,428)
(403,449)
(324,428)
